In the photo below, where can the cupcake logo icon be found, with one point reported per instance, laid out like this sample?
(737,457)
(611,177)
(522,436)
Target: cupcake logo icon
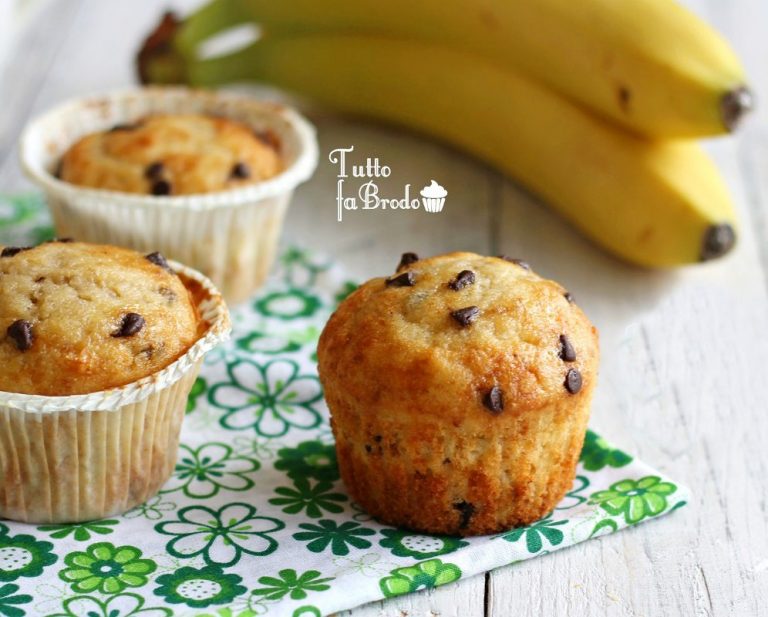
(433,197)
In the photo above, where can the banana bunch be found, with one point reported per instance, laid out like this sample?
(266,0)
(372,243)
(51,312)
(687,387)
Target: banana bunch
(586,103)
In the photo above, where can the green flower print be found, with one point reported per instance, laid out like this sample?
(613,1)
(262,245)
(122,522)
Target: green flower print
(15,209)
(307,611)
(291,584)
(368,565)
(536,533)
(276,344)
(287,305)
(360,515)
(327,532)
(310,459)
(82,531)
(152,509)
(269,399)
(635,499)
(198,388)
(229,612)
(221,536)
(597,453)
(604,527)
(298,268)
(423,575)
(199,587)
(261,342)
(23,555)
(261,448)
(314,499)
(573,497)
(9,600)
(202,472)
(121,605)
(106,568)
(41,233)
(406,544)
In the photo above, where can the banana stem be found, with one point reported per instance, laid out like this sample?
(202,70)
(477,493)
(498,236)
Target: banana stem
(241,65)
(170,55)
(214,17)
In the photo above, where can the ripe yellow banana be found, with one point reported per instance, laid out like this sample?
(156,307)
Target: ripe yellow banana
(652,203)
(651,65)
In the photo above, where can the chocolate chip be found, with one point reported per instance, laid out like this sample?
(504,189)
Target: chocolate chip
(158,259)
(240,171)
(523,264)
(154,170)
(466,510)
(463,278)
(131,324)
(10,251)
(377,438)
(406,260)
(368,448)
(567,352)
(569,296)
(494,400)
(161,187)
(573,381)
(406,279)
(466,315)
(21,333)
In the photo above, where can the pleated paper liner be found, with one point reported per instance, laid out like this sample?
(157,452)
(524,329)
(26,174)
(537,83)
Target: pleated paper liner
(87,456)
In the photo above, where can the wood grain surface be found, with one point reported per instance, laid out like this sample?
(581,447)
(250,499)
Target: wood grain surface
(684,374)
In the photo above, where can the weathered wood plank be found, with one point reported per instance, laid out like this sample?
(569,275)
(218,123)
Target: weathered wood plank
(682,383)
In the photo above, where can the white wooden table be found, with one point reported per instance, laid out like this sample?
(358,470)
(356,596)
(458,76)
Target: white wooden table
(684,378)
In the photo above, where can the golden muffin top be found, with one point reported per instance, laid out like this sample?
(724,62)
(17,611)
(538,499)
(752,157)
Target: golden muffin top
(459,335)
(172,155)
(78,318)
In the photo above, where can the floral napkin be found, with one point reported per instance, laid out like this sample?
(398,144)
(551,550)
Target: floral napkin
(255,520)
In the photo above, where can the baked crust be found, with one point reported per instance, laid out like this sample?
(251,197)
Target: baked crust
(418,442)
(166,154)
(76,299)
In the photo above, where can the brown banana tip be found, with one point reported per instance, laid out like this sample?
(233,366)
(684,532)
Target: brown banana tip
(734,105)
(157,45)
(718,240)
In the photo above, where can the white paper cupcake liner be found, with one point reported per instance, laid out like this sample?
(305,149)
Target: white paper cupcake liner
(87,456)
(231,236)
(433,204)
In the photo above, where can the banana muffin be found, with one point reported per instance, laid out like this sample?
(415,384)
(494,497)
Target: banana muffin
(459,391)
(78,318)
(167,154)
(100,347)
